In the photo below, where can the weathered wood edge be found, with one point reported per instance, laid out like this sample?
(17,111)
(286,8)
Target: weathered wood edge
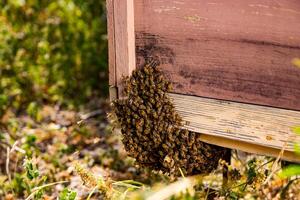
(111,42)
(252,128)
(250,148)
(232,50)
(121,39)
(124,39)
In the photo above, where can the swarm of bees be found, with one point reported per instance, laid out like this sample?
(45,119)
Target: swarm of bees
(152,130)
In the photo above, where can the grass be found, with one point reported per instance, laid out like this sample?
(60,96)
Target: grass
(63,158)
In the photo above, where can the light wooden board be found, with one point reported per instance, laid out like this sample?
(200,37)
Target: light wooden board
(249,147)
(260,125)
(111,41)
(120,15)
(239,50)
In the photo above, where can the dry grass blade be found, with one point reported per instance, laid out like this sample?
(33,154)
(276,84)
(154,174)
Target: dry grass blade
(7,163)
(92,192)
(275,165)
(175,188)
(35,190)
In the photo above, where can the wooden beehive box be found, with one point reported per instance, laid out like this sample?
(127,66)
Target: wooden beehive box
(229,62)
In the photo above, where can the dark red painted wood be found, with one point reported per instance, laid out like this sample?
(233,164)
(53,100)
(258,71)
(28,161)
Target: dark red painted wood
(239,50)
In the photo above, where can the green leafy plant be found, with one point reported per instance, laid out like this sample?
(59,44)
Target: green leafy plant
(25,182)
(31,170)
(294,169)
(33,111)
(51,51)
(67,194)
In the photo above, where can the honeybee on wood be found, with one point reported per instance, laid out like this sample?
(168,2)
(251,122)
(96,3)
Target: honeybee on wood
(155,115)
(147,130)
(142,107)
(143,113)
(165,146)
(140,122)
(169,129)
(152,101)
(148,70)
(140,75)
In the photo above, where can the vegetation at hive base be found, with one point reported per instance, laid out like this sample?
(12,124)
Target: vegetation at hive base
(75,155)
(55,139)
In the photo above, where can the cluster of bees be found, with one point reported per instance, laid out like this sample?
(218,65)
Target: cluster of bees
(152,130)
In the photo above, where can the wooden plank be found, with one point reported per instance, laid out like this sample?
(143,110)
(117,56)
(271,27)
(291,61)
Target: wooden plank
(124,39)
(259,125)
(250,148)
(232,50)
(111,42)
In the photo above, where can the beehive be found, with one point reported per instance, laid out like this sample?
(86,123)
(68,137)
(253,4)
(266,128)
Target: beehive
(229,62)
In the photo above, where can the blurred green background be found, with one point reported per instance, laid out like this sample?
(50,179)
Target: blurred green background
(52,52)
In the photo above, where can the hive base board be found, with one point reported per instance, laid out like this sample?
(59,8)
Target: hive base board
(251,128)
(250,148)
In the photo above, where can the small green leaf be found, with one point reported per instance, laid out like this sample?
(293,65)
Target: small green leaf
(3,100)
(297,148)
(33,110)
(290,171)
(31,170)
(251,171)
(30,140)
(67,194)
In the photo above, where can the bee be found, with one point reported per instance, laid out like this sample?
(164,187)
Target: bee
(185,134)
(191,138)
(140,122)
(169,87)
(147,130)
(143,113)
(171,138)
(176,156)
(140,75)
(152,101)
(135,116)
(132,82)
(169,129)
(148,70)
(155,115)
(194,148)
(142,107)
(160,127)
(151,91)
(148,109)
(160,78)
(161,153)
(165,146)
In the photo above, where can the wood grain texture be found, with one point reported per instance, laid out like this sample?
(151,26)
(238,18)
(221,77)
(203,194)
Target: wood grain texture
(111,42)
(260,125)
(232,50)
(124,39)
(249,147)
(121,39)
